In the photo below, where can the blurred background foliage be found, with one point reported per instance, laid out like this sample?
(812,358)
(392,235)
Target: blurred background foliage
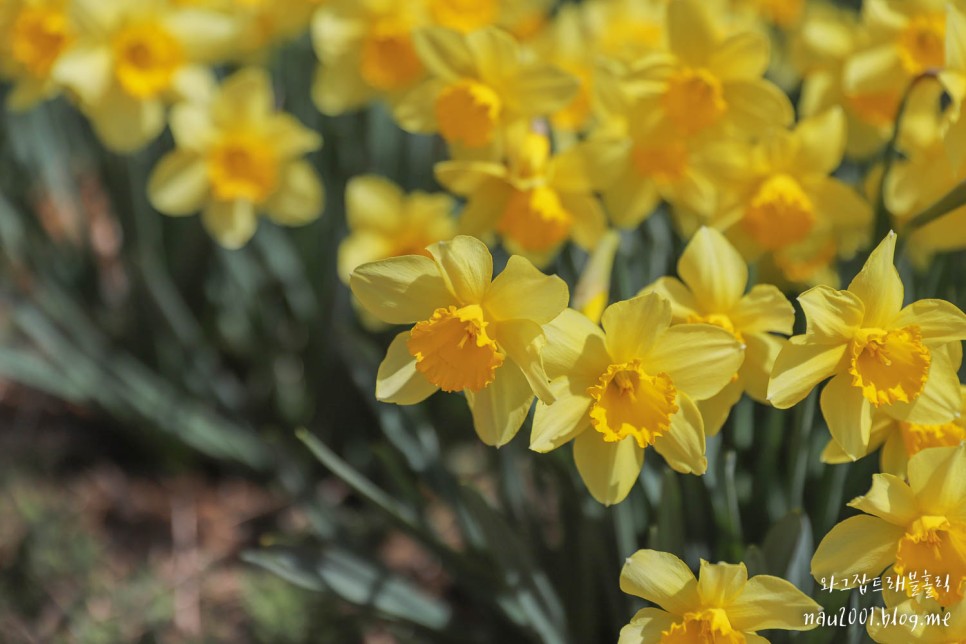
(174,373)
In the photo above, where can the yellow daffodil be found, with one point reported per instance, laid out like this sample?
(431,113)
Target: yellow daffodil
(920,622)
(629,386)
(480,85)
(712,290)
(471,334)
(384,222)
(132,59)
(715,79)
(954,79)
(910,529)
(33,35)
(260,24)
(783,202)
(923,175)
(722,605)
(236,157)
(537,201)
(880,355)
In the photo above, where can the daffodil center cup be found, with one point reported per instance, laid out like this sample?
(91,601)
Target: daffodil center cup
(889,366)
(464,15)
(779,213)
(389,61)
(708,626)
(243,166)
(453,350)
(38,36)
(146,59)
(694,100)
(627,401)
(535,219)
(664,163)
(468,113)
(719,320)
(937,546)
(916,438)
(922,44)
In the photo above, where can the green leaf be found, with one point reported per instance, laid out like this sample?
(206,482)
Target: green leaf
(788,550)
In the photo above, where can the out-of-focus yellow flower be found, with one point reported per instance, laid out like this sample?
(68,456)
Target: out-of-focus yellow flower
(920,621)
(480,85)
(954,79)
(537,201)
(715,79)
(924,174)
(712,290)
(901,440)
(33,35)
(914,528)
(628,387)
(260,24)
(236,157)
(781,201)
(722,605)
(384,222)
(880,355)
(781,13)
(522,18)
(130,60)
(471,334)
(592,292)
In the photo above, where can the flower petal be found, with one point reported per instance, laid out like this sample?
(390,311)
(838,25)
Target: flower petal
(753,104)
(575,349)
(179,183)
(941,398)
(557,424)
(716,409)
(500,408)
(609,470)
(720,583)
(397,380)
(742,56)
(890,498)
(632,326)
(858,545)
(445,53)
(848,415)
(646,626)
(700,358)
(821,142)
(231,223)
(830,315)
(683,304)
(938,479)
(938,320)
(799,367)
(401,290)
(372,202)
(662,579)
(761,351)
(878,285)
(768,602)
(466,265)
(683,445)
(764,308)
(713,270)
(523,341)
(691,33)
(521,292)
(299,197)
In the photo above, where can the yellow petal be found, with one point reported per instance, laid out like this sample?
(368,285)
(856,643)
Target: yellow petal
(713,270)
(401,290)
(754,104)
(630,200)
(662,579)
(890,499)
(683,304)
(191,127)
(126,124)
(700,358)
(646,626)
(246,95)
(299,197)
(576,349)
(468,177)
(831,316)
(541,89)
(799,367)
(720,583)
(179,183)
(956,141)
(633,325)
(742,56)
(372,202)
(590,221)
(938,320)
(415,111)
(589,165)
(683,445)
(761,351)
(821,142)
(86,70)
(337,87)
(848,415)
(397,380)
(523,292)
(361,248)
(500,408)
(231,223)
(878,285)
(556,424)
(872,71)
(290,138)
(768,602)
(833,453)
(940,400)
(444,53)
(466,266)
(691,33)
(894,458)
(609,470)
(495,53)
(938,479)
(955,38)
(523,341)
(858,545)
(764,308)
(715,410)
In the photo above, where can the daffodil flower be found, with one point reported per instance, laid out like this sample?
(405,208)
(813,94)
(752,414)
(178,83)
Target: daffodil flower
(918,620)
(911,528)
(900,440)
(954,79)
(236,156)
(385,222)
(712,290)
(132,59)
(471,334)
(722,605)
(33,36)
(880,355)
(537,201)
(630,386)
(479,85)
